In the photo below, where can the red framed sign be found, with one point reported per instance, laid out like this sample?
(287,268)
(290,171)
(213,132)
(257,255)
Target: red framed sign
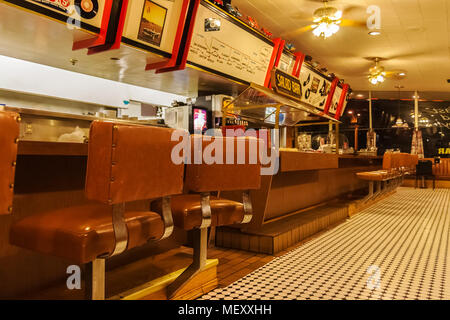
(111,29)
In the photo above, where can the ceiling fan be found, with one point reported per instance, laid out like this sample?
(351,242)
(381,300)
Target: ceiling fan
(326,20)
(377,74)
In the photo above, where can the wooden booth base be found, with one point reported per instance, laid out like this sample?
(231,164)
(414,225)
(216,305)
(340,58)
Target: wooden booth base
(145,279)
(280,234)
(440,183)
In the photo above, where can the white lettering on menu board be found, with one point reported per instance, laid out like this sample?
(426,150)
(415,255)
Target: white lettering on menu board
(231,51)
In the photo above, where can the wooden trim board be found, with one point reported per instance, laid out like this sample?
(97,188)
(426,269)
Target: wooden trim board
(201,284)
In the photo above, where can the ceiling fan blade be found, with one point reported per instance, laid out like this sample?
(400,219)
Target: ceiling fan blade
(392,72)
(297,31)
(397,74)
(302,15)
(407,55)
(353,23)
(352,9)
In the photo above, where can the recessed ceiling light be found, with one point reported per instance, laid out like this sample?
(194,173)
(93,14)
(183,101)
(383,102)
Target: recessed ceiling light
(374,32)
(359,95)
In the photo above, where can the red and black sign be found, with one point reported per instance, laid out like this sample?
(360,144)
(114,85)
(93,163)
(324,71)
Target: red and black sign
(286,84)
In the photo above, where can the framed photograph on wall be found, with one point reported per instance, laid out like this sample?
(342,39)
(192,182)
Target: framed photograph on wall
(152,23)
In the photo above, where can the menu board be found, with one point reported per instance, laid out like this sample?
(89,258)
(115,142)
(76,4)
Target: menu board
(228,49)
(86,11)
(153,23)
(315,87)
(335,100)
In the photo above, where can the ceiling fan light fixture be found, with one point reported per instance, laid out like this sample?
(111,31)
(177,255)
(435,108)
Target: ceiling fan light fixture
(326,21)
(325,29)
(337,15)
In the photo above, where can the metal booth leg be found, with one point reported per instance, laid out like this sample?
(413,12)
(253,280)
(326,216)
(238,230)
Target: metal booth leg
(200,249)
(95,271)
(378,192)
(370,194)
(200,252)
(95,280)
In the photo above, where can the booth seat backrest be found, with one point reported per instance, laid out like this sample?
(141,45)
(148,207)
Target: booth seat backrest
(387,161)
(398,160)
(413,161)
(442,169)
(9,135)
(129,163)
(239,175)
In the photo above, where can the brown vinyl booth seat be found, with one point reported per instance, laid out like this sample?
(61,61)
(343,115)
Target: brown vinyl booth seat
(125,163)
(9,137)
(197,209)
(395,167)
(442,169)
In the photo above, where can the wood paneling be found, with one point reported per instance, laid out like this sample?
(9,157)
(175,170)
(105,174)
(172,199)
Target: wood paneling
(302,161)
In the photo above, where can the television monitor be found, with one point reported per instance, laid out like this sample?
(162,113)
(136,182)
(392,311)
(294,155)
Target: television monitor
(200,119)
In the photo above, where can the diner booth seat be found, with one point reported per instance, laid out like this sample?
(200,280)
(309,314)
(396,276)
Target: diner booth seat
(198,210)
(395,167)
(441,169)
(125,163)
(9,137)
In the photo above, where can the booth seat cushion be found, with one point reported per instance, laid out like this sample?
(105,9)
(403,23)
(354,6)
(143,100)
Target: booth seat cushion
(81,234)
(187,212)
(373,175)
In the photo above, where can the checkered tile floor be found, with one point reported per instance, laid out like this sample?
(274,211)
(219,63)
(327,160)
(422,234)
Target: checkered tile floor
(398,248)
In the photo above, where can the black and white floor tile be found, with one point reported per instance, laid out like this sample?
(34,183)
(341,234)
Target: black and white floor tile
(398,248)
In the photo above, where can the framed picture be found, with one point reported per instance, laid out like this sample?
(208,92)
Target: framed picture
(152,23)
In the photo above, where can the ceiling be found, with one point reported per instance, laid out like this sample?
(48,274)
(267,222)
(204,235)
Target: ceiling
(415,37)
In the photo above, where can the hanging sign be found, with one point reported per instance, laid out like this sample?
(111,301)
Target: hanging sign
(315,87)
(286,84)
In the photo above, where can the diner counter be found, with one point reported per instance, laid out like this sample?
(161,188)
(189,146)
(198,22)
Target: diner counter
(306,180)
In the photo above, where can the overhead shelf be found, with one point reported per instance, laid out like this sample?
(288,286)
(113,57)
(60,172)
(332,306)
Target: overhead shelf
(181,55)
(264,105)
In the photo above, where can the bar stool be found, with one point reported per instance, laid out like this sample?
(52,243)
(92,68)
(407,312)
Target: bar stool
(125,163)
(199,211)
(9,137)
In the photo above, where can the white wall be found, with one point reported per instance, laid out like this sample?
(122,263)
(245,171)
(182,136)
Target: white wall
(23,76)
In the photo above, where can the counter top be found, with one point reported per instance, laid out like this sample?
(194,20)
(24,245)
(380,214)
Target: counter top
(351,156)
(60,115)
